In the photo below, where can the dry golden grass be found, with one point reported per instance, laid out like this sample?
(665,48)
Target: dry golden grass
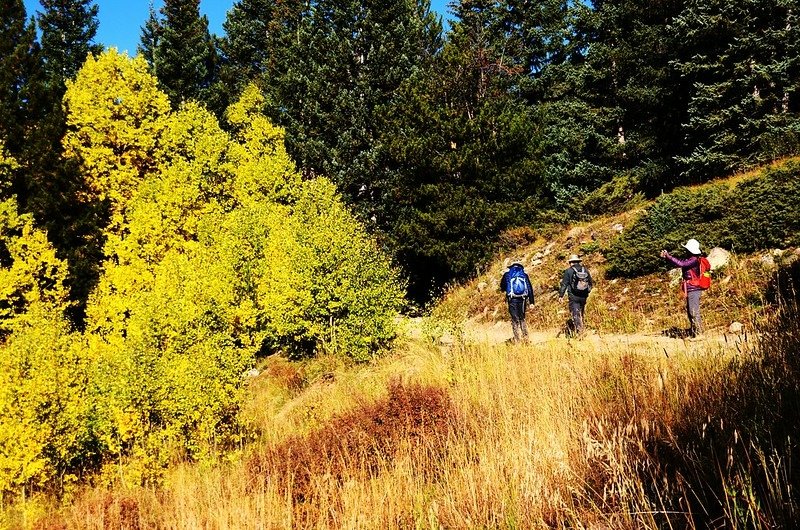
(550,435)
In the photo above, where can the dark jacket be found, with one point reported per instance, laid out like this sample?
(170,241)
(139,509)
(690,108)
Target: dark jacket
(504,281)
(690,268)
(567,279)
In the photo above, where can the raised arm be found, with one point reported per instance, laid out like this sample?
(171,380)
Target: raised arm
(689,262)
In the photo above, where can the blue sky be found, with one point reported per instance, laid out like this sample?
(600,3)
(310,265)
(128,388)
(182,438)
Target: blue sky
(121,20)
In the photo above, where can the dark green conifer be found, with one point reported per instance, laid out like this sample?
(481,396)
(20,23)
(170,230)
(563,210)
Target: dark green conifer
(743,68)
(68,28)
(151,31)
(21,81)
(53,185)
(463,148)
(182,51)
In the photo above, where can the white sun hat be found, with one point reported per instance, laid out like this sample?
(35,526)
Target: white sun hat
(574,259)
(692,246)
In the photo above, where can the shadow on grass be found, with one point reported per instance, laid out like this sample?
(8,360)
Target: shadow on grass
(720,434)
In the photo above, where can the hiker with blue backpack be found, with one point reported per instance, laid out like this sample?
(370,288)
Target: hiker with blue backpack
(519,293)
(577,283)
(696,278)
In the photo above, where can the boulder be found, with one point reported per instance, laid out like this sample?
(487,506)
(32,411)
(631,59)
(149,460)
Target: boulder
(447,340)
(735,327)
(574,233)
(618,228)
(718,258)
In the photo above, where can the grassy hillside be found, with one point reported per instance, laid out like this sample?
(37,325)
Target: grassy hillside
(623,430)
(648,302)
(556,435)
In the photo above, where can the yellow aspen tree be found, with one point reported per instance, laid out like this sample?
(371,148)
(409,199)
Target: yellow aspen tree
(217,251)
(44,395)
(30,271)
(114,120)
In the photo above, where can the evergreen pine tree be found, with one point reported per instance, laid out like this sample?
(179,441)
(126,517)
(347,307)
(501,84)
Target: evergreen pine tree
(20,76)
(52,189)
(327,67)
(184,58)
(151,31)
(463,148)
(68,29)
(742,64)
(615,105)
(261,40)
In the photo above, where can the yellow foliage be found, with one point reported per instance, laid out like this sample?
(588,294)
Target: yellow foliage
(217,250)
(7,165)
(264,169)
(30,272)
(43,370)
(45,409)
(114,120)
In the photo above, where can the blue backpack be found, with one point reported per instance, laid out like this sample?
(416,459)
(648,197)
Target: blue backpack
(517,286)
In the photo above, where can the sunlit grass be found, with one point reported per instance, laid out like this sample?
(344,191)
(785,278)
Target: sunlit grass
(623,429)
(556,434)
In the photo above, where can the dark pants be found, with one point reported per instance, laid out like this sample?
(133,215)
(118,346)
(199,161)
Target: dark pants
(577,307)
(693,312)
(516,308)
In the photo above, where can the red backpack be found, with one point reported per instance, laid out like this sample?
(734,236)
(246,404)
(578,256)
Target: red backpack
(702,281)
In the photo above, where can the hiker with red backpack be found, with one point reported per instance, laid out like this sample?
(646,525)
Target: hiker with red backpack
(519,292)
(695,271)
(577,283)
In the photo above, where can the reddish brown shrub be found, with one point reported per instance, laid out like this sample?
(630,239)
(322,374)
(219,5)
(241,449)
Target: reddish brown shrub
(286,373)
(421,418)
(112,510)
(517,237)
(52,522)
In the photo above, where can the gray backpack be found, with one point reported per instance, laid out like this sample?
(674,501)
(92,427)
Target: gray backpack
(580,282)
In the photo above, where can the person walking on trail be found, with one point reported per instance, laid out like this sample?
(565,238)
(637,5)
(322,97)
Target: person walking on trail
(519,293)
(695,279)
(577,283)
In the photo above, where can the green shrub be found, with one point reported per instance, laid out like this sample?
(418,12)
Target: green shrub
(620,194)
(757,213)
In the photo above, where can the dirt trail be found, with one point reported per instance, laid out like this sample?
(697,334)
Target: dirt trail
(500,332)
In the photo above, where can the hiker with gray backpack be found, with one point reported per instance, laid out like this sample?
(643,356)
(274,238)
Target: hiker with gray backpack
(577,283)
(519,293)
